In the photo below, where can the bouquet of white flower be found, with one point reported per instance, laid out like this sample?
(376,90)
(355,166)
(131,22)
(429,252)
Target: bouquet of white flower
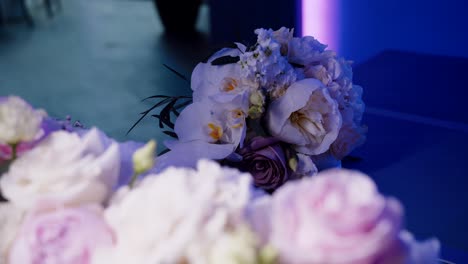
(281,109)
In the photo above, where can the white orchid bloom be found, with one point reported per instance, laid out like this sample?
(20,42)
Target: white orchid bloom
(221,82)
(213,122)
(206,130)
(187,154)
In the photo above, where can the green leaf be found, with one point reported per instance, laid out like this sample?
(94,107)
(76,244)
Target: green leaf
(183,77)
(155,96)
(170,133)
(164,117)
(164,152)
(145,113)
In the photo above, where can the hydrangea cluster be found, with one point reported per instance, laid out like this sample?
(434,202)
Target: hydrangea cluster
(266,64)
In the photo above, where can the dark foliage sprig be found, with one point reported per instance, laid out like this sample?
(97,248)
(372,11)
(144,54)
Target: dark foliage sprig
(170,105)
(183,77)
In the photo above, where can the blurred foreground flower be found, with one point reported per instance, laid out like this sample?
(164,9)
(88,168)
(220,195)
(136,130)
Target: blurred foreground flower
(63,236)
(63,168)
(189,214)
(19,122)
(11,218)
(338,216)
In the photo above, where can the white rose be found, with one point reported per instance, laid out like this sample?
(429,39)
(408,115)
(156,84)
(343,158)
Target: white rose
(11,218)
(177,215)
(63,168)
(336,74)
(19,122)
(305,116)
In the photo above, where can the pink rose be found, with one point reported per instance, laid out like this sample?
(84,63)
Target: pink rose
(337,216)
(64,236)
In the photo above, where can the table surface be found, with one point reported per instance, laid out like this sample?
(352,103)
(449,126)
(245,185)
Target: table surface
(417,143)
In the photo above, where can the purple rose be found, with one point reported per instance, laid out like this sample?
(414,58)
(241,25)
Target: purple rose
(264,158)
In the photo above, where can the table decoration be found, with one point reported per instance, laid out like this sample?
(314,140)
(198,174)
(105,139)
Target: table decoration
(252,177)
(281,109)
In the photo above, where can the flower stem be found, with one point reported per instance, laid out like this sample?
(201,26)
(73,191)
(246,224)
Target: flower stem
(14,151)
(133,180)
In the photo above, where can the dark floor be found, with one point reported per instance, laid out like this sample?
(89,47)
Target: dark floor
(97,59)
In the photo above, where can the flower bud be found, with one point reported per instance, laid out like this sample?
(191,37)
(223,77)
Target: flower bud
(143,158)
(257,98)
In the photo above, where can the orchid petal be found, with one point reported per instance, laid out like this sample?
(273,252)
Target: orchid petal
(186,154)
(192,121)
(207,79)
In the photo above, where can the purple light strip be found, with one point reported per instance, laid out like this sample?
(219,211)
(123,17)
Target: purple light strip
(320,19)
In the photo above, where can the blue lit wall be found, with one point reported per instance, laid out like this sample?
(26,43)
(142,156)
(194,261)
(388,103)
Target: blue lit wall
(358,29)
(235,20)
(434,27)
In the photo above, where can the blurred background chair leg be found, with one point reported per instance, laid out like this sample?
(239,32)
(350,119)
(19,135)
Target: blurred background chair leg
(49,8)
(26,15)
(3,13)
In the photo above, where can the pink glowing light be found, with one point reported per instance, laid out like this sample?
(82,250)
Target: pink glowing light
(320,18)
